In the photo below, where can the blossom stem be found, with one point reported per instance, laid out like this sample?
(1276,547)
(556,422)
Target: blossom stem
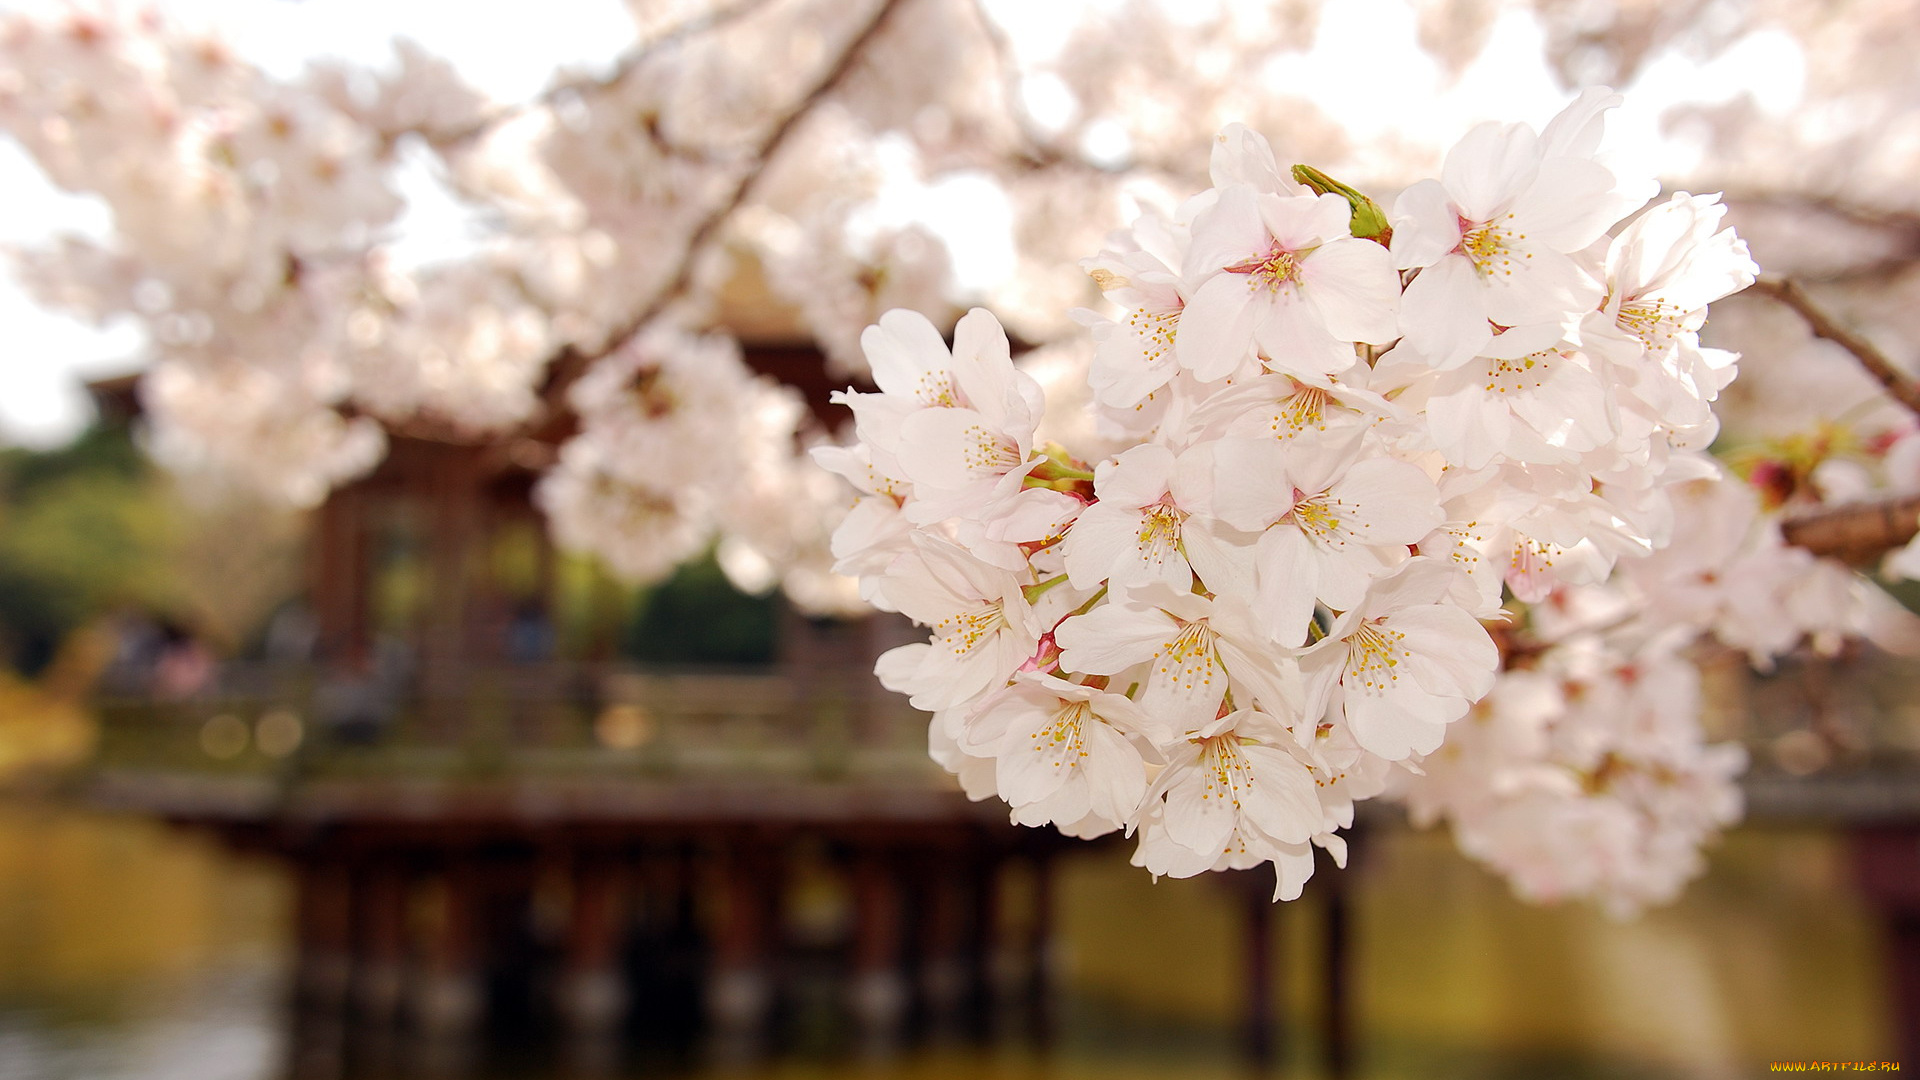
(1032,593)
(1091,600)
(1053,469)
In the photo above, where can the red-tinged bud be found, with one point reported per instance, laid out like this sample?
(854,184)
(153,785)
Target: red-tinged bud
(1775,481)
(1045,658)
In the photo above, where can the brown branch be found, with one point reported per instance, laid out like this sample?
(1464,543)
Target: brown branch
(1898,384)
(1872,273)
(1859,532)
(571,363)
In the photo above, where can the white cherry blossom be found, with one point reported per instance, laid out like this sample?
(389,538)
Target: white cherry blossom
(1132,535)
(982,626)
(1233,785)
(1195,650)
(1285,275)
(1329,523)
(1402,665)
(1497,238)
(1064,751)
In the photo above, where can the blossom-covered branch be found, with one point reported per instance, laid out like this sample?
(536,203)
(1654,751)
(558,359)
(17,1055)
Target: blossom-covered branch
(572,361)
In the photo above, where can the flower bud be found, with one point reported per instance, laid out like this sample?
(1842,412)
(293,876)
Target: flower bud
(1369,221)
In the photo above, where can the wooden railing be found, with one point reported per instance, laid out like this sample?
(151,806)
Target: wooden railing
(520,720)
(1826,738)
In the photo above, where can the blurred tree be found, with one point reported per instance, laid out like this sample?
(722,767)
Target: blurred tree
(697,616)
(92,528)
(83,530)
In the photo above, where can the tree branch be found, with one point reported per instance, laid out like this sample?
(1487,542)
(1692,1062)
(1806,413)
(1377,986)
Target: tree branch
(1040,150)
(1859,532)
(571,363)
(1898,384)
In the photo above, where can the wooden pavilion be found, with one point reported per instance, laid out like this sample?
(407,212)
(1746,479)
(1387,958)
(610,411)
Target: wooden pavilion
(488,824)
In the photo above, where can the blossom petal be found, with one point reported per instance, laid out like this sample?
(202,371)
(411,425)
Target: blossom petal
(1215,333)
(1425,225)
(1443,314)
(1281,799)
(1488,168)
(1113,637)
(1199,816)
(1353,284)
(1288,578)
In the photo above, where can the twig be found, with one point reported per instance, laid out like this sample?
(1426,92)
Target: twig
(1040,150)
(1898,384)
(1857,532)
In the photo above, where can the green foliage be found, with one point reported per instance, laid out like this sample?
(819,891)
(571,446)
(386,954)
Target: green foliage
(98,452)
(698,617)
(83,529)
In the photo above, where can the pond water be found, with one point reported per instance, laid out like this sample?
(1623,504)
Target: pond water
(129,951)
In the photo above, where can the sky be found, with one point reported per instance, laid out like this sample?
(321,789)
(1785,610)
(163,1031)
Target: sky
(513,52)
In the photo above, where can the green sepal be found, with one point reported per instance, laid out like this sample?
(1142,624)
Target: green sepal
(1369,221)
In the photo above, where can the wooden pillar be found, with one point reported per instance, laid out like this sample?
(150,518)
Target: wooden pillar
(340,582)
(324,921)
(739,992)
(449,998)
(1337,1022)
(877,994)
(315,1045)
(380,939)
(1040,948)
(1260,1031)
(1903,957)
(1886,868)
(945,975)
(997,969)
(593,993)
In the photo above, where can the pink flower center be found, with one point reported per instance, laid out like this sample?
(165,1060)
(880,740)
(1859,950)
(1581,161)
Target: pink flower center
(1277,268)
(1489,245)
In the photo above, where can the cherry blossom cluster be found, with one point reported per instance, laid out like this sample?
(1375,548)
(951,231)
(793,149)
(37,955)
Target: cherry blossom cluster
(1332,442)
(253,220)
(230,194)
(1586,771)
(679,443)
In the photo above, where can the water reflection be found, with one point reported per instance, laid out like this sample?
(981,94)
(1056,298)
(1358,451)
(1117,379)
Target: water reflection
(131,952)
